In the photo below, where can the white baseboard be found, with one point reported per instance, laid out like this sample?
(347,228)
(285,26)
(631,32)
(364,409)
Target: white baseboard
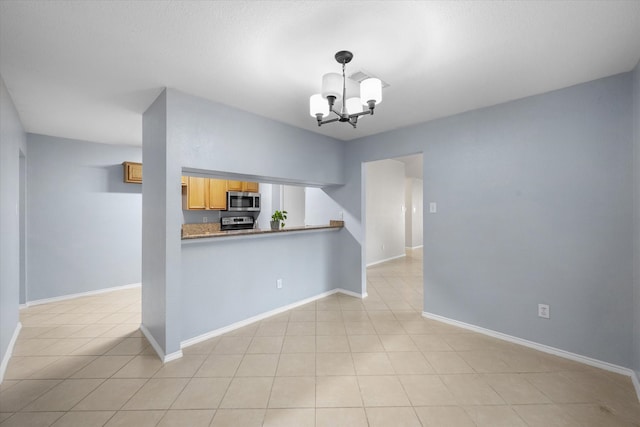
(636,383)
(386,259)
(9,352)
(414,247)
(352,294)
(542,347)
(265,315)
(178,354)
(78,295)
(164,357)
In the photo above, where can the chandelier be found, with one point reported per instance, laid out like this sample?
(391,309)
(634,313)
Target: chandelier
(334,88)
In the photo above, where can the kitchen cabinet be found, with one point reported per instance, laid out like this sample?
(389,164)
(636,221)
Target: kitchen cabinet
(210,193)
(196,193)
(217,194)
(250,187)
(234,185)
(132,172)
(204,194)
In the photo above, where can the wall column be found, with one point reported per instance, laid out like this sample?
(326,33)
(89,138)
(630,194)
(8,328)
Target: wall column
(161,250)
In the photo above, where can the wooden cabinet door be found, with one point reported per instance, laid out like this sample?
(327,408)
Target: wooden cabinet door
(132,172)
(250,187)
(234,185)
(217,194)
(196,193)
(184,180)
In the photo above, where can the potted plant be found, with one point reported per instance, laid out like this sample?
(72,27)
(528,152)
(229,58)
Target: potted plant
(277,218)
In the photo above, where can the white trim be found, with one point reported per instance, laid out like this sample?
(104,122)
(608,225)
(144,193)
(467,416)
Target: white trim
(79,295)
(9,352)
(353,294)
(250,320)
(387,259)
(536,346)
(414,247)
(172,356)
(165,358)
(262,316)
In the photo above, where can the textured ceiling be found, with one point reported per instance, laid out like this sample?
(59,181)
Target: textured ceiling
(88,70)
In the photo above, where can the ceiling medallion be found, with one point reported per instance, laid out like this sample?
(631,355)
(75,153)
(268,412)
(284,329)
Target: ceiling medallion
(334,88)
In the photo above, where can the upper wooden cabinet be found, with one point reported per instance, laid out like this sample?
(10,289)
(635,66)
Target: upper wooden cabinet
(132,172)
(234,185)
(217,194)
(209,193)
(196,193)
(250,187)
(204,194)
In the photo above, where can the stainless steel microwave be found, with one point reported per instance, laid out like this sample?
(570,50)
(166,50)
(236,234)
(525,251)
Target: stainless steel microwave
(246,202)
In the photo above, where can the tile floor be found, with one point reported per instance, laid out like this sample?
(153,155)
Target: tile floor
(336,362)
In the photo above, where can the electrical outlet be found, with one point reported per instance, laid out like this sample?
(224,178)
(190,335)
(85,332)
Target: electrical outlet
(543,311)
(433,207)
(205,219)
(279,284)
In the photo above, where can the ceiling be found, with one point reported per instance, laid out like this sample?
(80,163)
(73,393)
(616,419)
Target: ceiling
(88,70)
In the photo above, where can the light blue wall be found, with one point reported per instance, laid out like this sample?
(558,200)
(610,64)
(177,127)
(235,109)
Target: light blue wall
(184,131)
(12,142)
(217,137)
(83,222)
(216,294)
(161,219)
(534,206)
(636,232)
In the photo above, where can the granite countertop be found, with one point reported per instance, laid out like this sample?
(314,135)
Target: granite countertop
(199,231)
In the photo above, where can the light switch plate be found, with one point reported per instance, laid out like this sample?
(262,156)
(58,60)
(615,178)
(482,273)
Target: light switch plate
(433,207)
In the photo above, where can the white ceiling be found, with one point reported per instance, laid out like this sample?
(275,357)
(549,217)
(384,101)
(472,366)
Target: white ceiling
(88,70)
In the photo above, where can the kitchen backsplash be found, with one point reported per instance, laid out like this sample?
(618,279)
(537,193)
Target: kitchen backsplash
(196,217)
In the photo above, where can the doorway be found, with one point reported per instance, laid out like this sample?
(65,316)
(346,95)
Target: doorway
(393,231)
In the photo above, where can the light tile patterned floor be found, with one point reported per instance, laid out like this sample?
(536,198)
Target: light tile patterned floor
(336,362)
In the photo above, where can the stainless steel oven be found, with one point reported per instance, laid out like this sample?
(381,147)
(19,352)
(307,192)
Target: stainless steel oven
(243,202)
(228,223)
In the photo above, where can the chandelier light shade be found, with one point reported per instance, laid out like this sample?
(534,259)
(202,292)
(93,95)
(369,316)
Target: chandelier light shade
(371,90)
(334,88)
(318,105)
